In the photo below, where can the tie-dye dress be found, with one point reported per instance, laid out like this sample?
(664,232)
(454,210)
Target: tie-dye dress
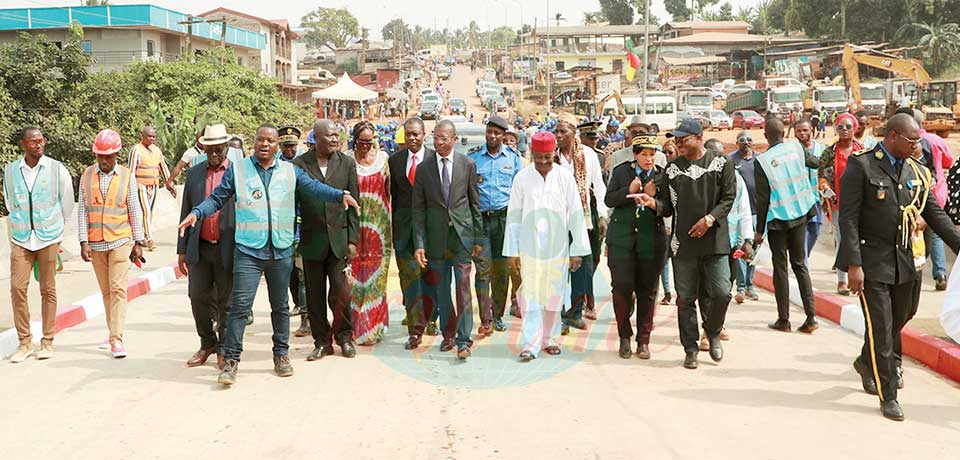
(368,299)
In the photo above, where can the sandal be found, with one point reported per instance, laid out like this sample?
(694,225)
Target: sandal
(552,350)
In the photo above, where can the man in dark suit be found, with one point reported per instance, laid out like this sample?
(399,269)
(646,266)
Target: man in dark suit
(885,193)
(328,241)
(205,251)
(448,229)
(403,171)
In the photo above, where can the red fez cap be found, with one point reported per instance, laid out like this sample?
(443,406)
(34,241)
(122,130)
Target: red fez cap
(544,142)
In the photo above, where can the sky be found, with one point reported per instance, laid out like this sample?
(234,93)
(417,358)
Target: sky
(374,14)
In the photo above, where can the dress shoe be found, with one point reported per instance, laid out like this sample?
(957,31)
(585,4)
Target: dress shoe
(809,326)
(899,378)
(590,314)
(463,353)
(498,325)
(941,284)
(348,349)
(553,350)
(249,318)
(750,294)
(716,349)
(282,366)
(704,343)
(229,374)
(515,310)
(413,342)
(643,351)
(866,378)
(320,353)
(200,357)
(780,325)
(667,298)
(304,329)
(724,335)
(625,351)
(842,289)
(526,356)
(485,330)
(447,345)
(690,361)
(432,329)
(739,297)
(565,330)
(577,324)
(891,410)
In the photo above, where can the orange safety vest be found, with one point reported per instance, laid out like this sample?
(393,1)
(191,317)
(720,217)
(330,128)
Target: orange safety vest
(148,166)
(107,218)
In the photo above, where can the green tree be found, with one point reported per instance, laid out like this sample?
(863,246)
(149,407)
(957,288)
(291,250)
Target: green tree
(940,42)
(640,6)
(96,2)
(678,9)
(593,17)
(395,30)
(724,13)
(617,12)
(331,27)
(559,17)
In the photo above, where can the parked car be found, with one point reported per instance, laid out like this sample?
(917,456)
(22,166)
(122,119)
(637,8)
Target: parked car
(716,119)
(487,93)
(435,98)
(499,102)
(429,110)
(443,72)
(745,119)
(457,106)
(739,89)
(427,90)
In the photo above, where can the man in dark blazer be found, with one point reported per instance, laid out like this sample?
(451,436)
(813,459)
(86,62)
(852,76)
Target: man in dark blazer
(448,230)
(328,241)
(403,171)
(205,251)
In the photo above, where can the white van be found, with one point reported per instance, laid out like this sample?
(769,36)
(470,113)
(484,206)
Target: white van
(661,109)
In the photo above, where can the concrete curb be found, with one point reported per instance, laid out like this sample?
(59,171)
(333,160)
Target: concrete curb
(91,306)
(937,354)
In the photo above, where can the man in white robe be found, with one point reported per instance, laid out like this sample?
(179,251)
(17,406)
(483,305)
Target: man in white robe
(545,240)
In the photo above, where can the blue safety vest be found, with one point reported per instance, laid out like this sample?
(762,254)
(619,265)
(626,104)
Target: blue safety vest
(38,209)
(233,154)
(791,192)
(265,212)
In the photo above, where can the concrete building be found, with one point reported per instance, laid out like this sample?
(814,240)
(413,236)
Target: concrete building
(682,29)
(377,55)
(116,35)
(278,58)
(596,45)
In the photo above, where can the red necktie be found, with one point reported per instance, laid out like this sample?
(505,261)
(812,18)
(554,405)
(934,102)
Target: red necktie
(412,173)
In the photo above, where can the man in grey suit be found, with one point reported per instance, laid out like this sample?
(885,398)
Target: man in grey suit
(448,230)
(328,241)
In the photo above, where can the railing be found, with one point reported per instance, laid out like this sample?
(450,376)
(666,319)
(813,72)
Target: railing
(120,58)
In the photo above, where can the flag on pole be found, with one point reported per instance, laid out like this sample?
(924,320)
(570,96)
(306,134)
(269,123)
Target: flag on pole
(633,61)
(540,77)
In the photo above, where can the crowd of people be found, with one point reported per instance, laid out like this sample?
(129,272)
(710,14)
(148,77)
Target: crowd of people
(321,223)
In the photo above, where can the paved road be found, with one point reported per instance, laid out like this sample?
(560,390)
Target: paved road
(775,395)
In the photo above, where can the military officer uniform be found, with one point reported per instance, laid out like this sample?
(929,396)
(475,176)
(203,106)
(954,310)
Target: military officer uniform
(495,173)
(881,200)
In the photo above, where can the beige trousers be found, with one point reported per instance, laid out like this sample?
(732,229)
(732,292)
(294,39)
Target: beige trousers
(21,269)
(112,268)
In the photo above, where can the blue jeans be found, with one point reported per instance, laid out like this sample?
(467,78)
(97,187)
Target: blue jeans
(938,257)
(246,279)
(813,232)
(665,277)
(744,276)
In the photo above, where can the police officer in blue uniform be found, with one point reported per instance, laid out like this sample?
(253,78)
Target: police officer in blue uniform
(886,201)
(497,165)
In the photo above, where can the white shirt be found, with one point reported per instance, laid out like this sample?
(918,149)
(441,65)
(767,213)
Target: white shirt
(189,154)
(418,156)
(745,221)
(66,199)
(440,159)
(594,177)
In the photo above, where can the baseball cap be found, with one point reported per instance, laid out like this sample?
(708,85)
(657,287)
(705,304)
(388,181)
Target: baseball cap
(688,127)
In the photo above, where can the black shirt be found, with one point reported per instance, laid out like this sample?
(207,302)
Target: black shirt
(706,185)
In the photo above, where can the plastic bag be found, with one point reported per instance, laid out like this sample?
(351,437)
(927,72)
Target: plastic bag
(950,314)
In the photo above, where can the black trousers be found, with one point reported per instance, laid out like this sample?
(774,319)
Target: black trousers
(318,272)
(792,244)
(886,309)
(704,299)
(492,277)
(298,290)
(411,287)
(706,278)
(633,277)
(210,287)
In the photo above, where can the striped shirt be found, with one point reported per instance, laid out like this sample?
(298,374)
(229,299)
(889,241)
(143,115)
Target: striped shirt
(134,213)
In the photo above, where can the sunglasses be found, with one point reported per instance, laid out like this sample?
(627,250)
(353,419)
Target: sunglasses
(743,140)
(911,141)
(844,127)
(365,143)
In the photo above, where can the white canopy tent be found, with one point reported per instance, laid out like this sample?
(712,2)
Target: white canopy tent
(345,90)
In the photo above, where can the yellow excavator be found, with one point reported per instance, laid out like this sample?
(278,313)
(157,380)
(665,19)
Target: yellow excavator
(938,120)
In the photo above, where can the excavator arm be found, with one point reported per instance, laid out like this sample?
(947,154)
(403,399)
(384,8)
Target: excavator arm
(606,98)
(905,67)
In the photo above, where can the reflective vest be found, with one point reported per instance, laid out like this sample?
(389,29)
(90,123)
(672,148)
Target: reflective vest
(265,212)
(148,165)
(37,209)
(107,218)
(791,192)
(817,151)
(233,154)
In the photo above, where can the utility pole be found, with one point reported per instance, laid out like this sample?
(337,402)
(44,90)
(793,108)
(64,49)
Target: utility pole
(646,57)
(191,21)
(843,19)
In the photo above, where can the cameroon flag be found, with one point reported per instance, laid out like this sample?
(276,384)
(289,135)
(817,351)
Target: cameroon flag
(633,61)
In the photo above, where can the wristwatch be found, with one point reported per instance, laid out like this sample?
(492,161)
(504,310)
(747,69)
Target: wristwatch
(710,220)
(346,192)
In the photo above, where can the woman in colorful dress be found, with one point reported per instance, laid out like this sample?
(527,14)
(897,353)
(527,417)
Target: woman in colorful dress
(368,299)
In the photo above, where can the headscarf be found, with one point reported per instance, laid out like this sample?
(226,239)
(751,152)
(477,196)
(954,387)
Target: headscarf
(847,115)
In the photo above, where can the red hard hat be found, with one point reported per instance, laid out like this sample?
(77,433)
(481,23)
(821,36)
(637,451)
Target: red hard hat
(107,142)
